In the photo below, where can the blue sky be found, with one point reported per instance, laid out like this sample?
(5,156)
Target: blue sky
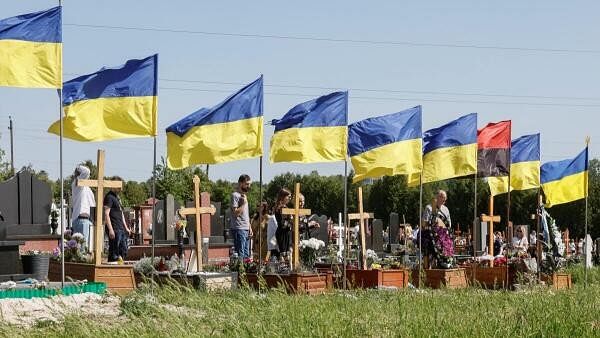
(554,93)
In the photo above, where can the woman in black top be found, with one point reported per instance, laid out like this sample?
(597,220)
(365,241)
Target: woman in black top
(283,233)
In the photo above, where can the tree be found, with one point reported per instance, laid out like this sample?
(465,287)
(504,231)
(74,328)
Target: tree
(5,171)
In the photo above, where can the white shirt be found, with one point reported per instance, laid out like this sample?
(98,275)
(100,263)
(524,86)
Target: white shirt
(271,229)
(82,197)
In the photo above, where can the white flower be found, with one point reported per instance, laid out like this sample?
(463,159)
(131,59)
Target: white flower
(312,243)
(371,254)
(78,237)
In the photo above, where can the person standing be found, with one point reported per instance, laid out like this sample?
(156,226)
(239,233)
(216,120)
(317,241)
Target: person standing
(240,217)
(82,199)
(283,233)
(118,231)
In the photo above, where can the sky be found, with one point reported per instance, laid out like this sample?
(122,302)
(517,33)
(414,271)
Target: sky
(536,63)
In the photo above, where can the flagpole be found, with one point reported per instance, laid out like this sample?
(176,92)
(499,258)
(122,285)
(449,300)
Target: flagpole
(420,228)
(62,188)
(508,207)
(153,206)
(260,211)
(474,239)
(587,188)
(538,244)
(346,232)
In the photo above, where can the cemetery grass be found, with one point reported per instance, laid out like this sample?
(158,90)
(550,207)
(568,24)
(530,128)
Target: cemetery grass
(176,311)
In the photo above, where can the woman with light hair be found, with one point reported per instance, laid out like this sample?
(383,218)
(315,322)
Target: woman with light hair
(520,243)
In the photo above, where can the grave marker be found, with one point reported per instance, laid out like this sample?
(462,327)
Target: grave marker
(361,216)
(296,212)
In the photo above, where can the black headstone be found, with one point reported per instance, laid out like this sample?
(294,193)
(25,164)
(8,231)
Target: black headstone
(216,227)
(369,236)
(394,228)
(377,236)
(25,205)
(321,233)
(160,228)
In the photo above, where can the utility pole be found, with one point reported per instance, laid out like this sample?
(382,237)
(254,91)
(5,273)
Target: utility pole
(12,152)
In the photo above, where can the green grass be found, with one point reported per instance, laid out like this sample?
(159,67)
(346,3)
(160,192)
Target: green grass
(180,312)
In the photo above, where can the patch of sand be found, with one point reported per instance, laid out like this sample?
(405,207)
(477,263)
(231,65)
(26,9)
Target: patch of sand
(26,312)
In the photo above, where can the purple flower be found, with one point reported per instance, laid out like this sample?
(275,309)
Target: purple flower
(72,244)
(56,252)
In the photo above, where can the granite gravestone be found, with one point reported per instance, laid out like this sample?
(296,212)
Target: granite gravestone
(321,232)
(369,235)
(377,236)
(25,205)
(216,225)
(394,228)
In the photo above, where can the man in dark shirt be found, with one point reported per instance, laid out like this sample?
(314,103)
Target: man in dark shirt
(117,229)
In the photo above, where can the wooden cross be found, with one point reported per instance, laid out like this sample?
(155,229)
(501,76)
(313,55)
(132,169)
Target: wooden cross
(491,219)
(296,212)
(99,184)
(197,211)
(361,215)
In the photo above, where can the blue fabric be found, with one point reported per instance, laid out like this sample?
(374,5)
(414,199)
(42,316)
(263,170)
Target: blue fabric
(326,111)
(244,104)
(525,149)
(379,131)
(118,246)
(459,132)
(134,78)
(44,26)
(554,171)
(82,226)
(240,242)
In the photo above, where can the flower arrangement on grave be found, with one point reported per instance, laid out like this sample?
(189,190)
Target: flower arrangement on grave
(146,265)
(309,248)
(371,258)
(237,264)
(75,250)
(54,220)
(437,244)
(553,245)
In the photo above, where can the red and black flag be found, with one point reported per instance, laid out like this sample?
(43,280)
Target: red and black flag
(493,150)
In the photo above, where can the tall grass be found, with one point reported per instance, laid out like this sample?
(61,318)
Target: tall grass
(175,311)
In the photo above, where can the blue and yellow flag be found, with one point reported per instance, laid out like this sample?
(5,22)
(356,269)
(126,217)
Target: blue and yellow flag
(450,151)
(386,145)
(31,50)
(229,131)
(112,103)
(524,167)
(313,131)
(565,181)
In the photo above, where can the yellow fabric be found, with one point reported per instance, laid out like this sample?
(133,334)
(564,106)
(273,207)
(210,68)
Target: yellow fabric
(30,64)
(568,189)
(398,158)
(309,144)
(450,162)
(523,176)
(109,118)
(216,143)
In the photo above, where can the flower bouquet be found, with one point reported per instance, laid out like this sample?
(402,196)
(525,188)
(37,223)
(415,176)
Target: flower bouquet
(308,252)
(75,250)
(371,258)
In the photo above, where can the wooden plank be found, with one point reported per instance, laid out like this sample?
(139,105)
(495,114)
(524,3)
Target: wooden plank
(192,211)
(357,216)
(301,212)
(94,184)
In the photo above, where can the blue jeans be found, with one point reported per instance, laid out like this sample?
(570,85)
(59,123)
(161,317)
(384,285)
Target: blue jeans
(82,225)
(240,242)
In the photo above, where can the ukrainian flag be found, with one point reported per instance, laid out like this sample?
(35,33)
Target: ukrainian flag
(111,103)
(450,151)
(31,50)
(565,181)
(231,130)
(313,131)
(386,145)
(524,167)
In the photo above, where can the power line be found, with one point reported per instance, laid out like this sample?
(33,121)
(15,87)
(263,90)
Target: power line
(396,91)
(392,90)
(336,40)
(397,99)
